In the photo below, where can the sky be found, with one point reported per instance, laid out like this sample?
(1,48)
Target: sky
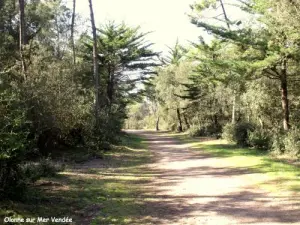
(166,19)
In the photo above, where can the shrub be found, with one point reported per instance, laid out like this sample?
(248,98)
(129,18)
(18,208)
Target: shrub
(194,131)
(241,133)
(108,132)
(259,139)
(287,143)
(291,142)
(43,168)
(14,130)
(12,182)
(205,130)
(15,176)
(237,133)
(277,146)
(229,132)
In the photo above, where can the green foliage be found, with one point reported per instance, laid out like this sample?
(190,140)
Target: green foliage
(169,89)
(204,130)
(126,61)
(237,133)
(229,132)
(259,139)
(49,104)
(242,130)
(14,127)
(277,143)
(141,115)
(287,144)
(12,180)
(194,131)
(292,142)
(15,175)
(14,130)
(44,168)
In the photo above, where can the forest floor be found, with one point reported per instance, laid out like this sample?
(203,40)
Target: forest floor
(163,178)
(89,191)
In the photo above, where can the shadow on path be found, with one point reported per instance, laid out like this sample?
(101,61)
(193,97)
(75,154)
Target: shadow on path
(195,188)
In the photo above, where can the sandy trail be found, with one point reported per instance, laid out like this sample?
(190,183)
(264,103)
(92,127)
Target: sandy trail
(196,188)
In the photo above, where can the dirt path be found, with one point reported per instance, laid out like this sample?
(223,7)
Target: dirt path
(196,188)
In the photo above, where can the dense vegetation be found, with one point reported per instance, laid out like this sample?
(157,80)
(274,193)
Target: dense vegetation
(52,99)
(241,85)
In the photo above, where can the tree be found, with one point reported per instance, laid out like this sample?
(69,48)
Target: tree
(177,55)
(126,61)
(271,55)
(22,34)
(95,65)
(169,89)
(72,31)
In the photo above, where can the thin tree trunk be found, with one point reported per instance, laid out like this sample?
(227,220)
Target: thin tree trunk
(110,86)
(186,121)
(157,124)
(179,120)
(284,96)
(22,34)
(216,122)
(233,119)
(72,31)
(261,122)
(58,51)
(95,63)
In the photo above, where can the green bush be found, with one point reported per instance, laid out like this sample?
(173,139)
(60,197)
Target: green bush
(206,130)
(194,131)
(291,142)
(287,143)
(15,176)
(277,143)
(237,133)
(259,139)
(14,130)
(44,168)
(229,132)
(12,180)
(108,132)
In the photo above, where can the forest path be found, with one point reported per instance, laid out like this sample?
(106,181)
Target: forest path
(192,187)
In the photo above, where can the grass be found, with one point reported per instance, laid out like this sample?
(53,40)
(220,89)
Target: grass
(275,175)
(101,191)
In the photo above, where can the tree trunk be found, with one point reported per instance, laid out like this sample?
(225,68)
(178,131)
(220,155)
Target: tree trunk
(110,86)
(95,63)
(157,124)
(261,122)
(58,50)
(186,121)
(179,120)
(216,122)
(72,31)
(284,96)
(22,34)
(233,119)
